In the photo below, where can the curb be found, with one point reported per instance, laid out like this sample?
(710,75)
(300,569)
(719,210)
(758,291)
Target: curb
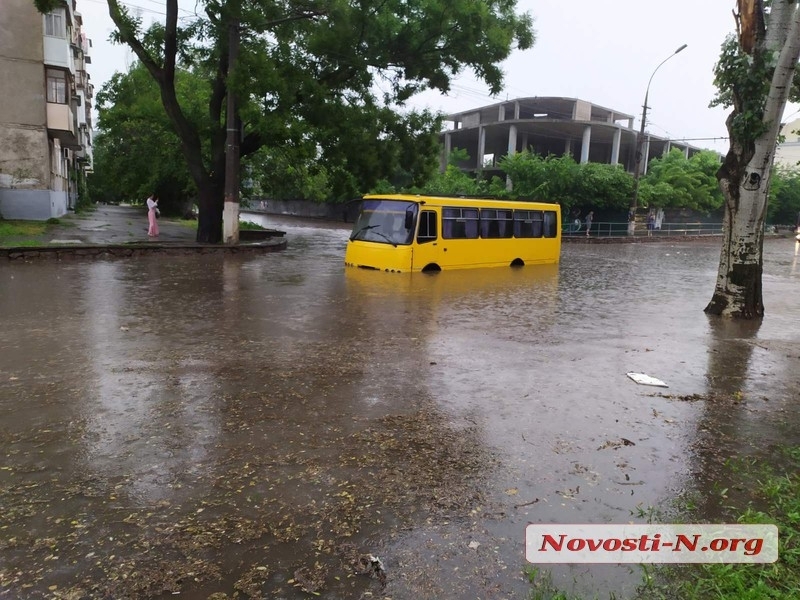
(72,252)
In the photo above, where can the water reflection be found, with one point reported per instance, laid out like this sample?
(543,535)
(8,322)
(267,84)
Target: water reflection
(241,380)
(149,406)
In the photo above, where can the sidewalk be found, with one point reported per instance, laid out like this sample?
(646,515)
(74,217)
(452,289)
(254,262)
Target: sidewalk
(111,225)
(122,231)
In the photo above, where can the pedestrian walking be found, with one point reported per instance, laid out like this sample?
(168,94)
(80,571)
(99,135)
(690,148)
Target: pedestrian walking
(588,222)
(152,215)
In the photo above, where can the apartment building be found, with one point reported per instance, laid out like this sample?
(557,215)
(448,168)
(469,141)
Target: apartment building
(46,113)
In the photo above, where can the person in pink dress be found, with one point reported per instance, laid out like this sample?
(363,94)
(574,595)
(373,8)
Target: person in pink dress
(152,213)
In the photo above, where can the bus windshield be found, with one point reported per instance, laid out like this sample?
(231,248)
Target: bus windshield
(386,222)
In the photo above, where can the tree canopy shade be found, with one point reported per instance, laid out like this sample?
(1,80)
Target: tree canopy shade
(136,152)
(755,76)
(303,66)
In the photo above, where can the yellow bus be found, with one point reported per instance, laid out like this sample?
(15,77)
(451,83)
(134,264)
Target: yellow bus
(404,233)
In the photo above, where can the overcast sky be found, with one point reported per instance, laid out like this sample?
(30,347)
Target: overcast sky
(602,51)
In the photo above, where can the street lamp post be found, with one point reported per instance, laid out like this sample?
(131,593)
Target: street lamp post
(637,173)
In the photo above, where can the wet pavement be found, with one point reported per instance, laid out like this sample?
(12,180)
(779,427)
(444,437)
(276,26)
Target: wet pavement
(109,224)
(262,424)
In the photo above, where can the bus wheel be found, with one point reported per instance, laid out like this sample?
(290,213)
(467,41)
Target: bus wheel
(431,268)
(517,262)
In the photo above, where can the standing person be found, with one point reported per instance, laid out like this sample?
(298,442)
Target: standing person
(589,218)
(152,213)
(651,223)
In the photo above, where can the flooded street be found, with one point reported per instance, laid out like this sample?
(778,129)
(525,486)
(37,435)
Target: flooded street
(261,424)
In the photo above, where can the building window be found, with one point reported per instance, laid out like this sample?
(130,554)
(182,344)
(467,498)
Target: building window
(54,24)
(56,86)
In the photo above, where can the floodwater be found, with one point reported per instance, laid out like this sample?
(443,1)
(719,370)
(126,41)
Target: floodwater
(260,424)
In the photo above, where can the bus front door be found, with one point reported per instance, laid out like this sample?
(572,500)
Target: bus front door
(427,247)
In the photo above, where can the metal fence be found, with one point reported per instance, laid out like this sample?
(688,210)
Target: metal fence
(607,229)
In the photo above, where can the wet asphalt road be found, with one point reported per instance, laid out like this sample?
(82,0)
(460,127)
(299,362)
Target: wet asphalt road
(255,419)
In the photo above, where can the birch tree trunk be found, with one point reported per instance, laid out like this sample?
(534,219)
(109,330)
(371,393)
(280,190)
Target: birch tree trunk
(744,175)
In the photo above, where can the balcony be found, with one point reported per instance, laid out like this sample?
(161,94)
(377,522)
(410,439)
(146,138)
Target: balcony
(61,124)
(57,53)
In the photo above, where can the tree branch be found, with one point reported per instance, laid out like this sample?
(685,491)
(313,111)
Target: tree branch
(782,77)
(127,34)
(165,78)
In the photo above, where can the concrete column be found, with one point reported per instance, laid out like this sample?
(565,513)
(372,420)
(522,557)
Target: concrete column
(587,140)
(667,148)
(445,153)
(501,113)
(568,148)
(516,110)
(686,152)
(512,140)
(645,154)
(481,147)
(615,146)
(524,141)
(512,150)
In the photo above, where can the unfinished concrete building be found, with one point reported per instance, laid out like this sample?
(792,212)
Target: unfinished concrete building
(550,125)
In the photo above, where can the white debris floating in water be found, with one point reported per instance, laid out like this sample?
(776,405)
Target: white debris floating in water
(643,379)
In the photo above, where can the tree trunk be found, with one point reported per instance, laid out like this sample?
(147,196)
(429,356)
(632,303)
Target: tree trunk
(209,216)
(745,174)
(738,289)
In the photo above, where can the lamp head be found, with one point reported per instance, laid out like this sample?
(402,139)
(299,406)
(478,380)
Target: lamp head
(681,48)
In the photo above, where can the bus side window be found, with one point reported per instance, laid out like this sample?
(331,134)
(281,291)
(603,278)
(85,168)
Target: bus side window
(427,227)
(496,223)
(460,223)
(528,223)
(550,229)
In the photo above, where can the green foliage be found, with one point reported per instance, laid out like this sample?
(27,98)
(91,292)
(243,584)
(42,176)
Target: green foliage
(285,174)
(784,196)
(453,182)
(305,82)
(776,500)
(363,143)
(250,226)
(45,6)
(743,82)
(674,181)
(560,179)
(604,186)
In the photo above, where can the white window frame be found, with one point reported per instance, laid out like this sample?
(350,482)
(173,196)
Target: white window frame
(55,24)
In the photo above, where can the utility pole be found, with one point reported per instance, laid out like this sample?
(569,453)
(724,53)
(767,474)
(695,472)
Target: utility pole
(230,214)
(638,166)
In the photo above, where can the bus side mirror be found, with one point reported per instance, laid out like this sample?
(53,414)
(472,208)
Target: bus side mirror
(409,222)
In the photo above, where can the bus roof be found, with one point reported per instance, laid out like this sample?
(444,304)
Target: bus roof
(458,200)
